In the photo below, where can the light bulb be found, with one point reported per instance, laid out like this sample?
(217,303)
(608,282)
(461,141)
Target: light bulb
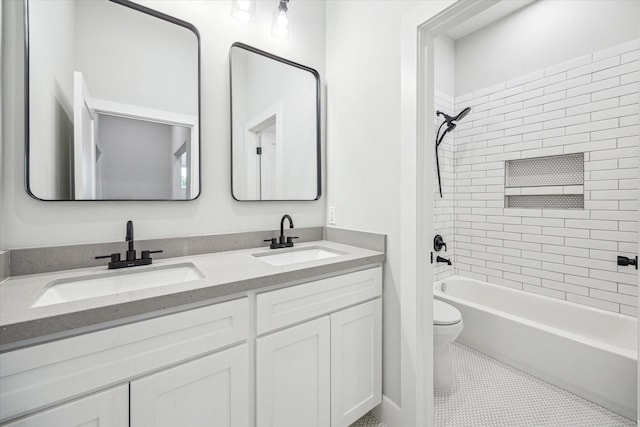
(281,24)
(243,10)
(282,20)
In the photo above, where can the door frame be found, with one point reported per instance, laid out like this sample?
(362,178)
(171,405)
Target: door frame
(638,276)
(84,168)
(419,29)
(253,162)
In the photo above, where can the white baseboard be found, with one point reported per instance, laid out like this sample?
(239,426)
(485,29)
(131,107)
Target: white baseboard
(388,412)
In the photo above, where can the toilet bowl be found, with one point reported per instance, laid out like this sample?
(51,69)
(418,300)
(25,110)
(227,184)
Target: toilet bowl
(447,325)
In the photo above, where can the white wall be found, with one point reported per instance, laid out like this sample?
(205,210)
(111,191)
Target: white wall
(445,65)
(2,169)
(363,137)
(136,158)
(51,95)
(543,33)
(162,52)
(28,223)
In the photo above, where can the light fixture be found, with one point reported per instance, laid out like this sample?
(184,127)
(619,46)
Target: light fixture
(281,26)
(244,11)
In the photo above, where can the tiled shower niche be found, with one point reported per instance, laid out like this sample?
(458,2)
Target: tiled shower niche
(553,182)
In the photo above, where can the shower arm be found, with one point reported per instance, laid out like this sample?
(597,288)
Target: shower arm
(439,139)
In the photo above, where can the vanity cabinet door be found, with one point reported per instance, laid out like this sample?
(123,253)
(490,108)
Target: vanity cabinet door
(356,362)
(293,374)
(108,408)
(210,391)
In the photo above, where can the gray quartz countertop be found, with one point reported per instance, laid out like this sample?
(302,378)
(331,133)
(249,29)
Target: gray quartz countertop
(226,275)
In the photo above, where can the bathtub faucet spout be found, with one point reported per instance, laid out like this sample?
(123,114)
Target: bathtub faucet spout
(440,259)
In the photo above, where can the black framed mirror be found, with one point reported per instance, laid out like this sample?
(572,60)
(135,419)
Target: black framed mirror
(112,102)
(275,127)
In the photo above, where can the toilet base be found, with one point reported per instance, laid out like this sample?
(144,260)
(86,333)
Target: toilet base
(442,368)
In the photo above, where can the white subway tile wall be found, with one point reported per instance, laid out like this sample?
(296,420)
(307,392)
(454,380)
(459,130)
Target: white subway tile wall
(586,105)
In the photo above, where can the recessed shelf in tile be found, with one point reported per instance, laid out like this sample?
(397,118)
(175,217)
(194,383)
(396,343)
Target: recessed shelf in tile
(546,201)
(553,182)
(565,169)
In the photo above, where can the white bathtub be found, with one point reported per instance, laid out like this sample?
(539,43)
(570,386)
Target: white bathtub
(587,351)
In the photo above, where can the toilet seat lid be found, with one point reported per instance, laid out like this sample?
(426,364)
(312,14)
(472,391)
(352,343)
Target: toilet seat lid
(445,314)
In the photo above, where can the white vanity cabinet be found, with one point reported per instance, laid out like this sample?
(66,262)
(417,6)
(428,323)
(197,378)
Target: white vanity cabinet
(293,376)
(107,408)
(210,391)
(325,372)
(356,362)
(211,339)
(303,355)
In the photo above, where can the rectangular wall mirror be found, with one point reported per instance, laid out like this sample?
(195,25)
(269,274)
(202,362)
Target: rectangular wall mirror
(275,127)
(113,102)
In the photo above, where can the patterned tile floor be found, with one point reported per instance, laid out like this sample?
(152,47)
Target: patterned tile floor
(488,393)
(367,421)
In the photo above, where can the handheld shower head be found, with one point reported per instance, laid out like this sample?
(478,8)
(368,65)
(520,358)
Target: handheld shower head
(462,114)
(440,136)
(449,119)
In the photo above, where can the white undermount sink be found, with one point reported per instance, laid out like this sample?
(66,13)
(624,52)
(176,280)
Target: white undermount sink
(83,287)
(281,257)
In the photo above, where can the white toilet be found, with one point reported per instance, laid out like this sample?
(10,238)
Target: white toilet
(447,325)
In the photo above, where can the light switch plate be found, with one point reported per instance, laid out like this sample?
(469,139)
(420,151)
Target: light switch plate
(332,215)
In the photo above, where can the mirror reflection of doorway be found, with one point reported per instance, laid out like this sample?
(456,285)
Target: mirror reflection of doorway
(135,157)
(125,152)
(264,150)
(266,164)
(181,180)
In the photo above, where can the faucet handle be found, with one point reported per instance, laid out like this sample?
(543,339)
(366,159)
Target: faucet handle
(290,239)
(274,243)
(147,254)
(438,243)
(114,257)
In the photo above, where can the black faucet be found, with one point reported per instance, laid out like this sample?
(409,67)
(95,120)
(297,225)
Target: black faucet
(281,241)
(130,254)
(440,259)
(282,226)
